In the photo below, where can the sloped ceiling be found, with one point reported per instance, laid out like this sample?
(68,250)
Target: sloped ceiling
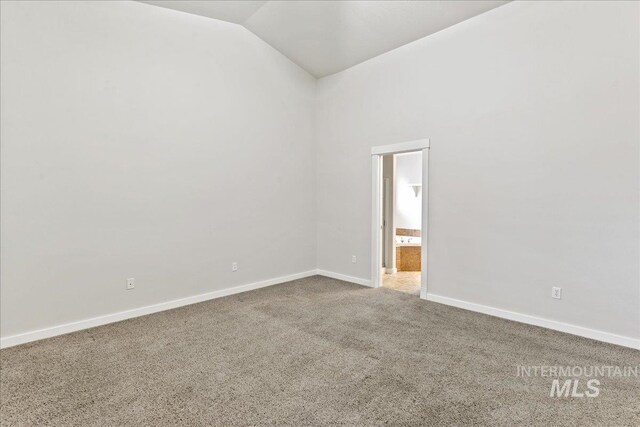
(325,37)
(231,11)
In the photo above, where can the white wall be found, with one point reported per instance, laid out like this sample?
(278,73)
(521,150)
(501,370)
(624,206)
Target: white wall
(143,142)
(533,114)
(408,212)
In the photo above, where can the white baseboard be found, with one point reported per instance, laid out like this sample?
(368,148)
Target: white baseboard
(344,277)
(53,331)
(66,328)
(539,321)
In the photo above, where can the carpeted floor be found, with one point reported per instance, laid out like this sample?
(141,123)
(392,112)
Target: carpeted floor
(311,352)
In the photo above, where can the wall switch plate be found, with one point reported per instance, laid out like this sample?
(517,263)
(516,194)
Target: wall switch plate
(353,259)
(131,283)
(556,293)
(234,266)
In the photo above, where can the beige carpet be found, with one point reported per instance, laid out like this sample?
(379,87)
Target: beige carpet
(312,352)
(403,281)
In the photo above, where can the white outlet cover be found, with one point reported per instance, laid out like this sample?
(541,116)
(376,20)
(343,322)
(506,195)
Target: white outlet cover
(556,293)
(234,266)
(131,283)
(353,259)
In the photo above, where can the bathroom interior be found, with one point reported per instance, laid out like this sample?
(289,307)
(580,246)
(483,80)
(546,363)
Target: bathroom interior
(402,221)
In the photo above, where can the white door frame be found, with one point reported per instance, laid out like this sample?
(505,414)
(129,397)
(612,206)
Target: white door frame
(376,207)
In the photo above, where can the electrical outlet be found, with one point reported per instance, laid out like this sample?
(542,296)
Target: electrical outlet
(234,266)
(556,293)
(353,259)
(131,283)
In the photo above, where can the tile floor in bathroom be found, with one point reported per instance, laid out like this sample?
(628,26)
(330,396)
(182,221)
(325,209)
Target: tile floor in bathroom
(403,281)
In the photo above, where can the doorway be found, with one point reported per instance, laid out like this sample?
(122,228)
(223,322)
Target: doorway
(399,225)
(402,221)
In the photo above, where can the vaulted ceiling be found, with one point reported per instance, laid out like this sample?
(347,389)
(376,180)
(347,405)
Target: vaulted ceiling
(325,37)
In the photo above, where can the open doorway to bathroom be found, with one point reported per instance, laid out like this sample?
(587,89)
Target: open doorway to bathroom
(399,216)
(402,221)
